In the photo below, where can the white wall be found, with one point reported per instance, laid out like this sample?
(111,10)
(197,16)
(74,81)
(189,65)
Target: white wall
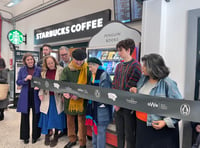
(6,53)
(164,30)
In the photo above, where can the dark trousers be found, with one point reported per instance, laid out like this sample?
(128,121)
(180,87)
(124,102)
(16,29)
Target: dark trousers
(126,126)
(25,126)
(25,121)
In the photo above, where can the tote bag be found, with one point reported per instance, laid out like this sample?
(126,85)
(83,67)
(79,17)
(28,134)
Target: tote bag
(3,91)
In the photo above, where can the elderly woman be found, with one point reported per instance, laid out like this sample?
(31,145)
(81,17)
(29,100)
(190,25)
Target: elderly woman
(28,99)
(155,131)
(4,87)
(98,115)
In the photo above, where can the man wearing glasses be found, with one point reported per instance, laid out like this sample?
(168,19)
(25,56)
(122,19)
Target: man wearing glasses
(64,55)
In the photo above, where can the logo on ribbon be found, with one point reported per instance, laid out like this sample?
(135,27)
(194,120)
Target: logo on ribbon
(185,109)
(46,84)
(97,93)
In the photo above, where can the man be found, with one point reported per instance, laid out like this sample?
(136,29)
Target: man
(46,50)
(65,60)
(98,114)
(64,55)
(127,74)
(76,72)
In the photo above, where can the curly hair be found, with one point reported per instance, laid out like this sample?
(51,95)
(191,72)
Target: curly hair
(126,44)
(155,66)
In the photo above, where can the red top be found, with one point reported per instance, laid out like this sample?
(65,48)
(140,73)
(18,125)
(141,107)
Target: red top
(142,116)
(30,72)
(51,75)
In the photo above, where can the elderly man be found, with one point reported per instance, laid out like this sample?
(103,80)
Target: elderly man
(77,72)
(64,55)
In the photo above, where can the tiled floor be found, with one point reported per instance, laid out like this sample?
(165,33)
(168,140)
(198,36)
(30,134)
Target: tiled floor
(9,134)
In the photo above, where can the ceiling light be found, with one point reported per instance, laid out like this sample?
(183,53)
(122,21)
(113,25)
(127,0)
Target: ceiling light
(10,4)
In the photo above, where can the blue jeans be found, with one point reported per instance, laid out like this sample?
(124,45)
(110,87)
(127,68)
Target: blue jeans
(99,140)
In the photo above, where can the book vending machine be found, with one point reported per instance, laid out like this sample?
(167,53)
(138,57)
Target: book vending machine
(103,46)
(109,57)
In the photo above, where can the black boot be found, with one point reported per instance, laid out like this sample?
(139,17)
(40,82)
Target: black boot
(1,114)
(54,141)
(47,139)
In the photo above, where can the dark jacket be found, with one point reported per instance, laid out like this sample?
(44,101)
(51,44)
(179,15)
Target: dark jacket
(4,76)
(22,105)
(40,62)
(101,113)
(4,80)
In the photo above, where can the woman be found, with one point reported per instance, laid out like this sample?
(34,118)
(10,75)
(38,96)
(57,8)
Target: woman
(155,131)
(52,109)
(28,99)
(3,87)
(98,115)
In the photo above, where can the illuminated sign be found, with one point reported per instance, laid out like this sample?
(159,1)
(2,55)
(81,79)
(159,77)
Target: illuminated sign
(15,37)
(82,27)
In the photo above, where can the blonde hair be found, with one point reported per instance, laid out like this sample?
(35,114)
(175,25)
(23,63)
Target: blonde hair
(44,65)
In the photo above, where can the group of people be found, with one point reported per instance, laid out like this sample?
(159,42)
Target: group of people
(52,112)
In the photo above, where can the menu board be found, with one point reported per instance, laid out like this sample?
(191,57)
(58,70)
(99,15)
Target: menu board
(127,10)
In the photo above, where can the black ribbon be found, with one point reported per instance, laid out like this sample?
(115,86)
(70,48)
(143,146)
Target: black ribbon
(175,108)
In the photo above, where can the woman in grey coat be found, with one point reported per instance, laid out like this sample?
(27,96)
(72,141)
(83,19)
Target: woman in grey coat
(3,80)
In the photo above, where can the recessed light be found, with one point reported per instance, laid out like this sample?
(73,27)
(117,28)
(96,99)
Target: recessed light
(10,4)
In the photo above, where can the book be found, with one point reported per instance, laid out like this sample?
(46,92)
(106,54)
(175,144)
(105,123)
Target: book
(111,55)
(104,55)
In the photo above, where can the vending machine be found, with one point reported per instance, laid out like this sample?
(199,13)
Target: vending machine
(103,47)
(109,57)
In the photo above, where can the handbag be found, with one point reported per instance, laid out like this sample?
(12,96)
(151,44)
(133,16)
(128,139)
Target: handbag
(3,91)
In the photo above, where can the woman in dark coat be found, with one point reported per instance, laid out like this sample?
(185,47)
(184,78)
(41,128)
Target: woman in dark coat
(28,99)
(3,80)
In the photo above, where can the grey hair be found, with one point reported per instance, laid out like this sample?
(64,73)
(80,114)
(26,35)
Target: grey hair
(63,47)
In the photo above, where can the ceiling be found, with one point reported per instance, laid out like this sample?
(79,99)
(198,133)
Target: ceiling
(20,7)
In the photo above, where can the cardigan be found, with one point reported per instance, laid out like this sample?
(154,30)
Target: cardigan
(44,107)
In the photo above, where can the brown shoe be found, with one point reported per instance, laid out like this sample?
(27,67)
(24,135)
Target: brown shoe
(54,141)
(47,139)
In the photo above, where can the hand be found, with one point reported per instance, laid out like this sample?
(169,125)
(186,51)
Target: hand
(62,98)
(117,108)
(36,88)
(198,128)
(28,77)
(158,124)
(41,97)
(74,97)
(133,90)
(67,95)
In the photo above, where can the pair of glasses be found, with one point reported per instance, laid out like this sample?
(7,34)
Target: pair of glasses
(64,54)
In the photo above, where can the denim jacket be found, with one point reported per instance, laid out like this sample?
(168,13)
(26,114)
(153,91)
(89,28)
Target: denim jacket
(164,88)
